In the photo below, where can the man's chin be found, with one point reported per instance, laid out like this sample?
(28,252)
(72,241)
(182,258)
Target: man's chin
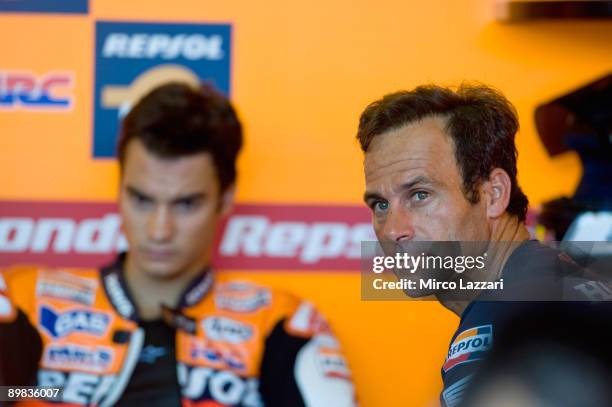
(419,290)
(419,294)
(161,273)
(163,270)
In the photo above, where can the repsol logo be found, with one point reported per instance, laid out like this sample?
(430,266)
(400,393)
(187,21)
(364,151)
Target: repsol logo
(192,46)
(224,387)
(79,388)
(61,235)
(481,342)
(257,236)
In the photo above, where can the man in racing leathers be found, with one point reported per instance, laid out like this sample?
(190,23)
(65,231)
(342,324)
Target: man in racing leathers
(154,328)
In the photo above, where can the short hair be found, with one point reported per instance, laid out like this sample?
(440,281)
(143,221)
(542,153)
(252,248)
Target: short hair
(176,120)
(481,122)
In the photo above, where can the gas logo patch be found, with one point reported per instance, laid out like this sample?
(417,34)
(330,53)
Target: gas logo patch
(61,324)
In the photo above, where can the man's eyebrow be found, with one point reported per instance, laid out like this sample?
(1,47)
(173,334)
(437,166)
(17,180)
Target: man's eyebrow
(369,196)
(190,197)
(420,180)
(187,197)
(135,191)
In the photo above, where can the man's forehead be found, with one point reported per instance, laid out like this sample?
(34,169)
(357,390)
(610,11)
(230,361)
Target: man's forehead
(137,151)
(173,176)
(419,145)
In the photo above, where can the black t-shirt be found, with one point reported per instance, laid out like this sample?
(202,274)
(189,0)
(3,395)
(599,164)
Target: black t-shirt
(536,278)
(154,380)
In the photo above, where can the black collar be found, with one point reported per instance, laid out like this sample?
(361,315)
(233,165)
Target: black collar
(118,292)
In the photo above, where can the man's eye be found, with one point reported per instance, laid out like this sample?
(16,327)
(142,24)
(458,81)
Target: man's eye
(380,206)
(419,196)
(140,200)
(187,204)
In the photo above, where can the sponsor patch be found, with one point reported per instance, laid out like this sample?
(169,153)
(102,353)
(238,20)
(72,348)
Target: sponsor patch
(61,324)
(77,357)
(226,330)
(215,387)
(217,356)
(242,297)
(118,296)
(60,285)
(307,321)
(151,353)
(83,389)
(468,346)
(199,291)
(332,363)
(454,393)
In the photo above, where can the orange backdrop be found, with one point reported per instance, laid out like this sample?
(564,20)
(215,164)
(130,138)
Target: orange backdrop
(301,74)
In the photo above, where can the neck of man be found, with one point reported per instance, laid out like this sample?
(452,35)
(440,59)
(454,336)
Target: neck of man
(150,292)
(507,233)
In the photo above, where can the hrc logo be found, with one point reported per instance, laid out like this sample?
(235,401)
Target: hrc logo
(134,58)
(20,90)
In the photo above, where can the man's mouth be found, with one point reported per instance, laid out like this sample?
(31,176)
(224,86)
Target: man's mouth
(158,254)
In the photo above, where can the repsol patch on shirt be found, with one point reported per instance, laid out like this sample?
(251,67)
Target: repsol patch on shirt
(468,346)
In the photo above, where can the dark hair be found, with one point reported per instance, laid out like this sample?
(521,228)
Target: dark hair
(177,119)
(480,120)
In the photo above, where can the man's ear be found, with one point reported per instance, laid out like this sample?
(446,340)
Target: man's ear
(227,200)
(496,192)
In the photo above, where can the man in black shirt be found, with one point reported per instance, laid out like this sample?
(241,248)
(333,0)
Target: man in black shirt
(440,166)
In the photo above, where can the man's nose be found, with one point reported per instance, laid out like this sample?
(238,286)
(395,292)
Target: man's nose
(160,227)
(398,226)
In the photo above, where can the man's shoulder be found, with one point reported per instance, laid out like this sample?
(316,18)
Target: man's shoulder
(27,275)
(26,282)
(538,272)
(534,255)
(20,274)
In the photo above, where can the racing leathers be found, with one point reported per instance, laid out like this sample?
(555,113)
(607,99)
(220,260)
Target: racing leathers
(233,343)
